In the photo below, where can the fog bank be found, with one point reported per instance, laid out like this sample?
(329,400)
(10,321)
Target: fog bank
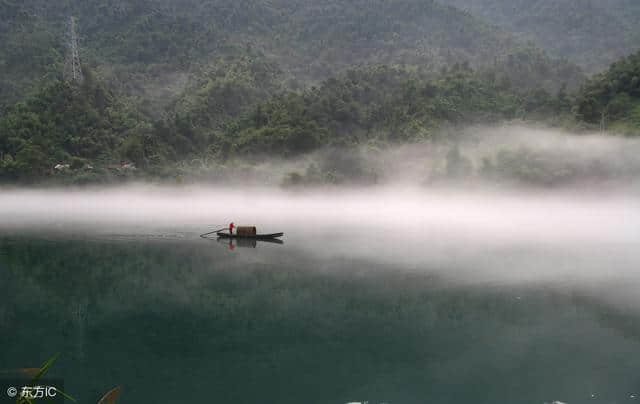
(488,204)
(505,156)
(513,234)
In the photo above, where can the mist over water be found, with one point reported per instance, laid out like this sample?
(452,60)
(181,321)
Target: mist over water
(409,226)
(468,228)
(415,288)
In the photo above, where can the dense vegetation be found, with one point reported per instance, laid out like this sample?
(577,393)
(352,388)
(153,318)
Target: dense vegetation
(591,33)
(145,45)
(78,126)
(613,97)
(167,84)
(63,123)
(382,104)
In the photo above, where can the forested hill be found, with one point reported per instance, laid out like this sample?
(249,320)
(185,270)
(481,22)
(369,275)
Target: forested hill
(591,33)
(168,83)
(612,98)
(91,130)
(151,48)
(79,134)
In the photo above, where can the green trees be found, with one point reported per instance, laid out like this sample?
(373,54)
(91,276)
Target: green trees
(239,107)
(141,45)
(228,87)
(209,80)
(380,104)
(613,95)
(590,33)
(59,124)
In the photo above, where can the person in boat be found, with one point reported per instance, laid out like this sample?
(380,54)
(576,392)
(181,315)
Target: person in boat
(231,227)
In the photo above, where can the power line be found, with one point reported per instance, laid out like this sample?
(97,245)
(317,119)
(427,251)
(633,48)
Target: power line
(72,67)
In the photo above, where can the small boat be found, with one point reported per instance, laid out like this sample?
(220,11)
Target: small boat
(244,233)
(250,237)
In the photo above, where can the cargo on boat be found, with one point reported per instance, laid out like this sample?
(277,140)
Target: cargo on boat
(247,231)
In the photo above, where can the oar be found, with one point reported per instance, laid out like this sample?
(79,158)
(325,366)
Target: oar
(211,232)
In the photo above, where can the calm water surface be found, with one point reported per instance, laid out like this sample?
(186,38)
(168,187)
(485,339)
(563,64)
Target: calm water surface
(177,319)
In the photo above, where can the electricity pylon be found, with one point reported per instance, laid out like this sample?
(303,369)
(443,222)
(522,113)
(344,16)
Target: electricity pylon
(72,68)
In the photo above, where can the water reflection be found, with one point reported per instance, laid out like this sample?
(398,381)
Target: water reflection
(233,243)
(246,242)
(179,321)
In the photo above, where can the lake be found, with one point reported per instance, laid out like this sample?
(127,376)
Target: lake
(440,308)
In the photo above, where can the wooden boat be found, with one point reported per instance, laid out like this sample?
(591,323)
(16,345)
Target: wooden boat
(245,233)
(250,237)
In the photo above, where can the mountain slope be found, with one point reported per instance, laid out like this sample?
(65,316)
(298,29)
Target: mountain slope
(65,124)
(591,33)
(151,47)
(381,105)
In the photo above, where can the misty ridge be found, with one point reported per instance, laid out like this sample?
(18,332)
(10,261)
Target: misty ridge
(464,176)
(505,183)
(506,156)
(164,91)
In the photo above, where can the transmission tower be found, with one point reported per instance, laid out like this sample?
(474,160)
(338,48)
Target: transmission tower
(72,68)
